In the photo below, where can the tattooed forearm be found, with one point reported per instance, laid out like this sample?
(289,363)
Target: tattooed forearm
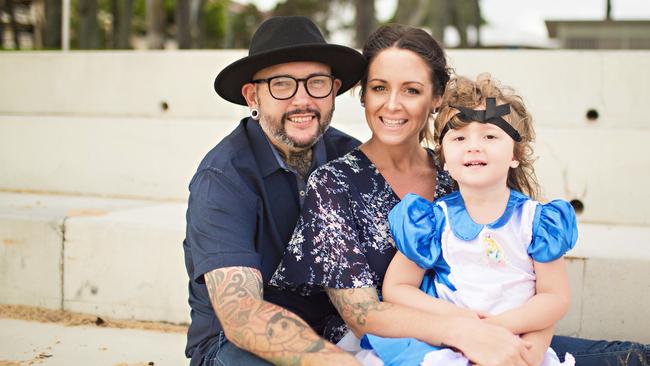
(356,304)
(260,327)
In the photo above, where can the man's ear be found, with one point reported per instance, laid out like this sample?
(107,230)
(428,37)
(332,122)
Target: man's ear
(336,87)
(249,91)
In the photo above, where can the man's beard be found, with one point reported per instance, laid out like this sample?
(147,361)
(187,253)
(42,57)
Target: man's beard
(278,131)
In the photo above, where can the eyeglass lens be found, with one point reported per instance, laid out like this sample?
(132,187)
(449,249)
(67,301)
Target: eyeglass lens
(284,87)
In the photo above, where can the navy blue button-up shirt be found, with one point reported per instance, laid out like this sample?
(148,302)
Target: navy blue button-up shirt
(242,210)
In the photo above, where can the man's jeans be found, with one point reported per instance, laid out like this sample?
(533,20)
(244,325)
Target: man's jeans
(224,353)
(588,352)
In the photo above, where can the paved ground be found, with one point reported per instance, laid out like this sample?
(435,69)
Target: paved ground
(25,342)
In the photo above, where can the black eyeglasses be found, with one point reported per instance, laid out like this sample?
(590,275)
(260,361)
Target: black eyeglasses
(284,86)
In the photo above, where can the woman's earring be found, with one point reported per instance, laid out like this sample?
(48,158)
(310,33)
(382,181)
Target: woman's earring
(255,114)
(514,164)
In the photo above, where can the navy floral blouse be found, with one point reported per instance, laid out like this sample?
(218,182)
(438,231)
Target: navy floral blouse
(342,238)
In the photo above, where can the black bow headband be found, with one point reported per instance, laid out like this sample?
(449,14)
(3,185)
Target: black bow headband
(492,114)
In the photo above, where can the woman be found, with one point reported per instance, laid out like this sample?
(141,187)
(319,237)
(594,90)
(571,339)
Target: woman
(342,243)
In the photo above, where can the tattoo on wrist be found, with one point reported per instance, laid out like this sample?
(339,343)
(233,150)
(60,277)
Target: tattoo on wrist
(357,303)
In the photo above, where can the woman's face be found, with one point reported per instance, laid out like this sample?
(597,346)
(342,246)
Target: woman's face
(398,96)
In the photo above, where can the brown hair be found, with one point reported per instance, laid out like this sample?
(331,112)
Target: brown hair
(464,92)
(415,40)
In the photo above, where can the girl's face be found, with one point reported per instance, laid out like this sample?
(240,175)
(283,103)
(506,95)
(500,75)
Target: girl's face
(398,97)
(479,155)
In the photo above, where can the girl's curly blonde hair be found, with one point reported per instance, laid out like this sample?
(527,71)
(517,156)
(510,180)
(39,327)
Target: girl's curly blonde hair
(464,92)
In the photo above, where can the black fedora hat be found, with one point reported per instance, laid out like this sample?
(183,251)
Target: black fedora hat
(288,39)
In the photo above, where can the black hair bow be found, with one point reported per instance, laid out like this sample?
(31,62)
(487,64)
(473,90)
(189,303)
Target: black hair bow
(492,114)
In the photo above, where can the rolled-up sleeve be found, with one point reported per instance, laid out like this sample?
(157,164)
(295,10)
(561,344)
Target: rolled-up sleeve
(222,219)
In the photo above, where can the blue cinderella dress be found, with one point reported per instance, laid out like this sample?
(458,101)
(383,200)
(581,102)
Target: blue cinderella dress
(488,268)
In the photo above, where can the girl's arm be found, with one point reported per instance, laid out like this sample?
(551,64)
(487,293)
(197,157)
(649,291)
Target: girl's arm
(540,341)
(547,307)
(402,286)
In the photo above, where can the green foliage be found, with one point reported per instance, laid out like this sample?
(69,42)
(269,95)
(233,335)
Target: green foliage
(316,10)
(213,23)
(244,25)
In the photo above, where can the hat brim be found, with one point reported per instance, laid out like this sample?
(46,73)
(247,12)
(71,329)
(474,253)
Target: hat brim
(347,65)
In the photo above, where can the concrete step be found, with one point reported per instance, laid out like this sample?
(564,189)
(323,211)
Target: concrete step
(145,158)
(25,342)
(111,257)
(180,84)
(123,259)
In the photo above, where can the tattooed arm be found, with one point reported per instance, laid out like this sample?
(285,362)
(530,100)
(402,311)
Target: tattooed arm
(263,328)
(483,344)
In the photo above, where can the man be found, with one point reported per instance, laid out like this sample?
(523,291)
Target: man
(246,196)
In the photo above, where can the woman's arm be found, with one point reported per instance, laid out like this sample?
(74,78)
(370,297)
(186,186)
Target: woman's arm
(482,343)
(547,307)
(402,286)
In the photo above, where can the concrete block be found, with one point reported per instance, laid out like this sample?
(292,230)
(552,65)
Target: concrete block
(570,324)
(615,299)
(560,86)
(114,157)
(32,241)
(128,264)
(609,270)
(139,83)
(604,169)
(30,260)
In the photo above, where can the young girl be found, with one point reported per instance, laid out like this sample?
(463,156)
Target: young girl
(487,251)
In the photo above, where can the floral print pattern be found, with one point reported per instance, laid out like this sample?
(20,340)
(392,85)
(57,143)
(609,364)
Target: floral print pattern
(342,238)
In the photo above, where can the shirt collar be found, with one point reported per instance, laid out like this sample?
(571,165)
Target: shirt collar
(462,224)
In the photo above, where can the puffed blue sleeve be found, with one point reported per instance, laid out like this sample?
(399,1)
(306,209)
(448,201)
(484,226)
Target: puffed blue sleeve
(416,225)
(555,231)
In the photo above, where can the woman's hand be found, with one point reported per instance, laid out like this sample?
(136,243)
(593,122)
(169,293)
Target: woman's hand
(489,345)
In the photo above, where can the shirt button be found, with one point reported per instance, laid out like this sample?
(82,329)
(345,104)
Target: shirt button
(302,193)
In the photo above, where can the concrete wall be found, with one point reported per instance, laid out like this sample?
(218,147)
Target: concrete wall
(91,123)
(95,171)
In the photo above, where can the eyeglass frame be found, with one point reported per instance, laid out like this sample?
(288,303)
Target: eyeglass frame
(298,81)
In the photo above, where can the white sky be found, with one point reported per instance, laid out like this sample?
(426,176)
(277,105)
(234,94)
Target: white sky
(516,20)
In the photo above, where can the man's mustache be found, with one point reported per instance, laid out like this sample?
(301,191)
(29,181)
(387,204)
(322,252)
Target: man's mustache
(301,111)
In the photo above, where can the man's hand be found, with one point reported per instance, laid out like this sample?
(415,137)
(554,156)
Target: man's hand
(263,328)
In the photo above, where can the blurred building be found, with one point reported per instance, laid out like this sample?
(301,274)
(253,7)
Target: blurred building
(600,34)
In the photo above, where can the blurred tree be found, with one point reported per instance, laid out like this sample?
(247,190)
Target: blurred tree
(366,20)
(155,24)
(242,26)
(9,9)
(122,11)
(438,14)
(2,25)
(316,10)
(182,23)
(411,11)
(52,29)
(88,34)
(213,24)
